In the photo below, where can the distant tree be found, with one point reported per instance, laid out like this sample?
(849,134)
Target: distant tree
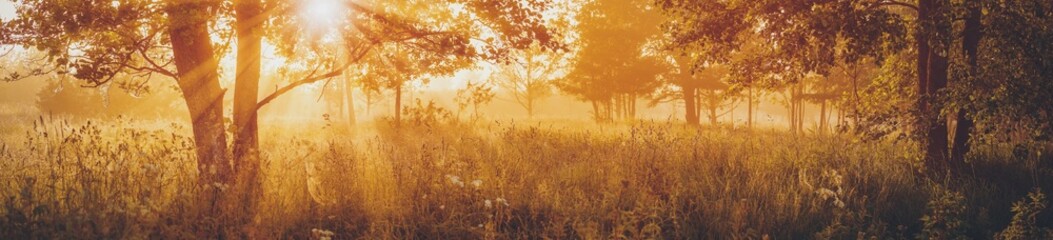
(841,89)
(612,69)
(704,90)
(398,65)
(474,95)
(528,76)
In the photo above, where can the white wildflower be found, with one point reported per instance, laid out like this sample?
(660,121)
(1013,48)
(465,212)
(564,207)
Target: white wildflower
(477,183)
(455,180)
(488,204)
(825,193)
(322,234)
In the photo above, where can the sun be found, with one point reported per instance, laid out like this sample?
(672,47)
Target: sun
(322,13)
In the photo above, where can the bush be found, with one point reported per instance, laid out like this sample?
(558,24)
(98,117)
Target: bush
(1025,215)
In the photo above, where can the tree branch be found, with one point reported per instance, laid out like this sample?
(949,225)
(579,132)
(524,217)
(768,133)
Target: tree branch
(311,78)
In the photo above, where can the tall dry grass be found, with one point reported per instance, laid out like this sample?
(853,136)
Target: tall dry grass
(490,180)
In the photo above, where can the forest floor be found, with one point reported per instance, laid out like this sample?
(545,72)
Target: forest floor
(557,180)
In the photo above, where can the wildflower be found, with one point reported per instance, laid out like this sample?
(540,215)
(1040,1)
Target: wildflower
(455,180)
(477,183)
(488,204)
(322,234)
(825,193)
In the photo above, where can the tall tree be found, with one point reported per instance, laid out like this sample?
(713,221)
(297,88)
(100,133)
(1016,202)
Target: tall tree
(614,80)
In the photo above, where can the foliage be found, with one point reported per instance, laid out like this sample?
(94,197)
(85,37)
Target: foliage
(945,217)
(611,80)
(474,95)
(1025,215)
(421,114)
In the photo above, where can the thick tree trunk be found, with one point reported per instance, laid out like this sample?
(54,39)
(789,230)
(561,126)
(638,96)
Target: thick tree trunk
(690,113)
(970,44)
(930,65)
(248,14)
(937,135)
(199,82)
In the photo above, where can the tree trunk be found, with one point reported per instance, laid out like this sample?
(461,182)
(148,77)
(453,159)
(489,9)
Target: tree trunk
(530,106)
(199,82)
(349,104)
(791,113)
(800,114)
(749,109)
(970,44)
(247,185)
(595,110)
(398,105)
(929,68)
(689,105)
(937,135)
(822,117)
(713,108)
(632,107)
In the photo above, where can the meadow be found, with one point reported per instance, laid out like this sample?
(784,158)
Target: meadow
(125,179)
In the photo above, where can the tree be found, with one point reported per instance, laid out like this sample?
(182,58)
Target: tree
(474,95)
(613,80)
(700,90)
(528,76)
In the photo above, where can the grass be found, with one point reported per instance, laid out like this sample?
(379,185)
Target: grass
(491,180)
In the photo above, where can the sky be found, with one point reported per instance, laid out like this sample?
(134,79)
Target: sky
(7,10)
